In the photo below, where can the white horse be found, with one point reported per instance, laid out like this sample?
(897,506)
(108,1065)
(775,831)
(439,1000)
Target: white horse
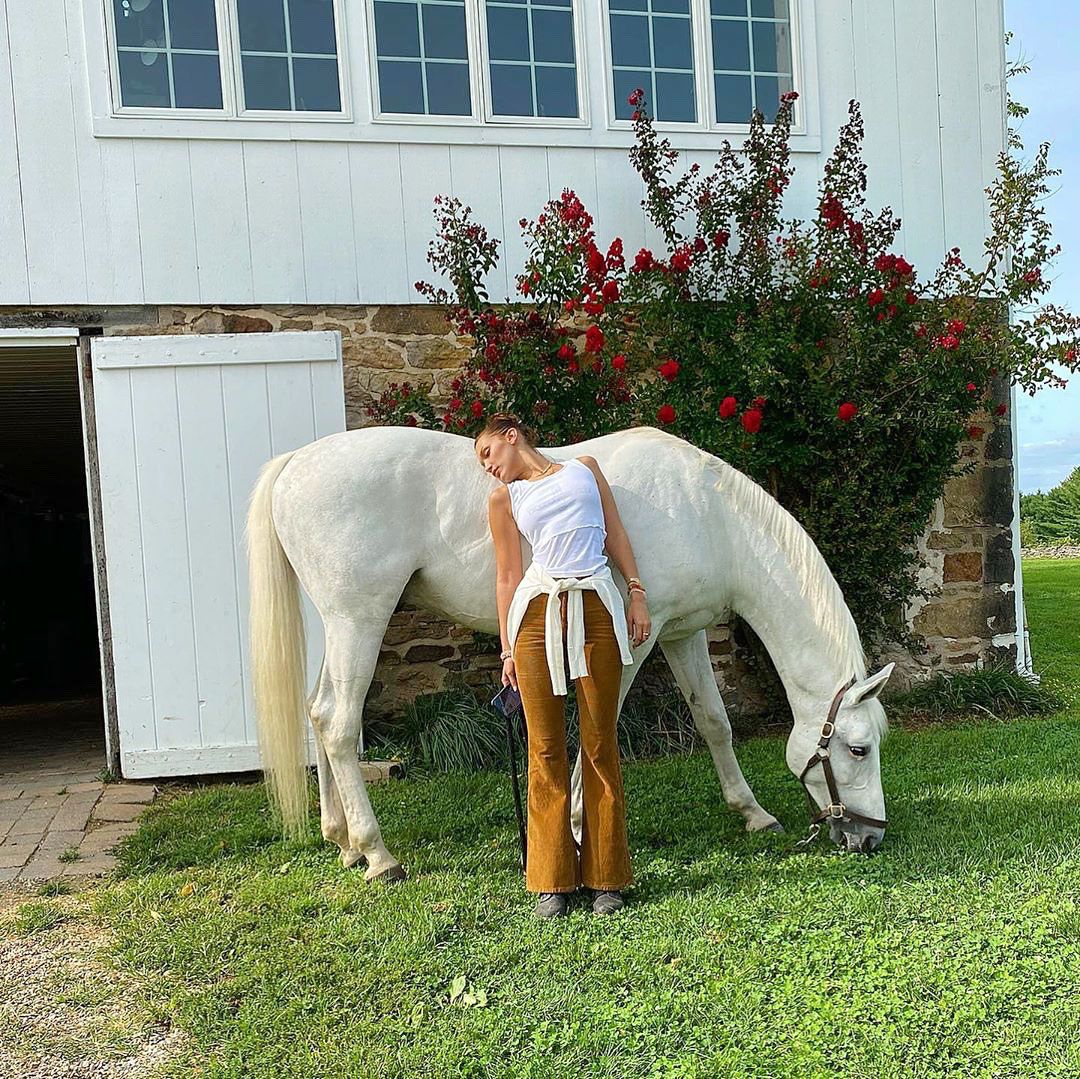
(368,518)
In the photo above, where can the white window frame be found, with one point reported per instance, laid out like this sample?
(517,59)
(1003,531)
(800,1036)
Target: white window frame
(705,96)
(480,79)
(232,76)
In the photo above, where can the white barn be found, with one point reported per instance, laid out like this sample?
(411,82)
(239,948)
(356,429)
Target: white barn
(207,154)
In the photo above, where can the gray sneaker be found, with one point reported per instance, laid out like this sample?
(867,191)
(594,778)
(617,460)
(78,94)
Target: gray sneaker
(607,902)
(551,905)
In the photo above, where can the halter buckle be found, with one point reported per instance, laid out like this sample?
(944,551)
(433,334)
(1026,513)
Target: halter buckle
(827,729)
(837,811)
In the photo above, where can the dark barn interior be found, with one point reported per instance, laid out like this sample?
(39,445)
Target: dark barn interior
(50,676)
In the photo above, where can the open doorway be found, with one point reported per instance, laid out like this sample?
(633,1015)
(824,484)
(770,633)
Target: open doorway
(51,712)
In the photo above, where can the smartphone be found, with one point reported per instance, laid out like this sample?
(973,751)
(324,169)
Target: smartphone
(507,701)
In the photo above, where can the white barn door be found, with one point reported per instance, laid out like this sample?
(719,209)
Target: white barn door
(183,425)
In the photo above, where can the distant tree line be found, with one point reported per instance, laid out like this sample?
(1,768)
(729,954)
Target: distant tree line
(1054,517)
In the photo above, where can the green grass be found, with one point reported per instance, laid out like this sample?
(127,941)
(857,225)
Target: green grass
(954,952)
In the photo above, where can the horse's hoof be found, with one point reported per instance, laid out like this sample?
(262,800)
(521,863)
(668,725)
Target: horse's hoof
(351,858)
(776,826)
(394,875)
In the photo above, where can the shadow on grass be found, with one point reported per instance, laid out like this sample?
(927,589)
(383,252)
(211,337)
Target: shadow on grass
(977,795)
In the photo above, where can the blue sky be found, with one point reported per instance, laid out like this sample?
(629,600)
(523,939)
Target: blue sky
(1046,34)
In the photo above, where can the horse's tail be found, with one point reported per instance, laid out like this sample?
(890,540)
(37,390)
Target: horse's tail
(277,656)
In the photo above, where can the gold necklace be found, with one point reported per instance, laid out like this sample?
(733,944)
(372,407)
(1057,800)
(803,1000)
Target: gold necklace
(544,473)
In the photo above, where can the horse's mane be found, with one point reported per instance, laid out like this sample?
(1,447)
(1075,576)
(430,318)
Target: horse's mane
(816,582)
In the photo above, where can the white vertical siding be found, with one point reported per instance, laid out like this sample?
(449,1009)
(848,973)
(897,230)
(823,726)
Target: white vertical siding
(184,423)
(342,219)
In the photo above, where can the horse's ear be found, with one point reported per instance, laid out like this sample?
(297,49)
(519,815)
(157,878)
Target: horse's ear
(870,687)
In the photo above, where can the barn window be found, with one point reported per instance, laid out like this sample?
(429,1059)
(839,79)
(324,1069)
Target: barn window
(751,57)
(227,56)
(422,57)
(532,59)
(167,55)
(288,55)
(652,47)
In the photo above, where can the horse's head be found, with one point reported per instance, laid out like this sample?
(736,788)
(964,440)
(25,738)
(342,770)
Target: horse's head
(834,752)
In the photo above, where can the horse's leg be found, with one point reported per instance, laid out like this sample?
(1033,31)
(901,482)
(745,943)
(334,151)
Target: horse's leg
(352,649)
(688,658)
(335,829)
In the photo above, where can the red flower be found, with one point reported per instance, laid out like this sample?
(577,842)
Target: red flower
(597,265)
(885,263)
(681,259)
(971,387)
(1000,410)
(758,402)
(573,367)
(920,330)
(455,403)
(636,97)
(902,266)
(975,432)
(447,419)
(728,407)
(597,366)
(847,411)
(751,420)
(566,352)
(955,325)
(948,341)
(524,286)
(892,310)
(1033,276)
(665,413)
(643,260)
(478,407)
(410,421)
(549,370)
(875,297)
(721,238)
(610,291)
(821,343)
(569,307)
(615,259)
(669,369)
(618,362)
(492,352)
(1070,355)
(911,297)
(594,339)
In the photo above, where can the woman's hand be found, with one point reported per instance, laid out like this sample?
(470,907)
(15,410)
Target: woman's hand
(509,673)
(640,622)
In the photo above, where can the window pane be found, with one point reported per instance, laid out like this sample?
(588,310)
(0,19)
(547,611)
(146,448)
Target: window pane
(196,80)
(626,82)
(315,83)
(675,97)
(630,41)
(401,88)
(140,24)
(680,7)
(728,7)
(511,90)
(768,89)
(262,25)
(556,91)
(553,36)
(772,48)
(144,79)
(770,9)
(508,33)
(192,25)
(448,89)
(733,103)
(397,30)
(266,82)
(629,5)
(671,43)
(730,45)
(444,31)
(311,26)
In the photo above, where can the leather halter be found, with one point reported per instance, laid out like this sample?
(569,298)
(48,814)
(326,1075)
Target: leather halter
(835,810)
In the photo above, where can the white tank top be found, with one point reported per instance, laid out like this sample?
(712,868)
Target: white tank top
(562,517)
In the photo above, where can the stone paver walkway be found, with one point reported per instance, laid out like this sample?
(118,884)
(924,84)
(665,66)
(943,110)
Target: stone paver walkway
(57,816)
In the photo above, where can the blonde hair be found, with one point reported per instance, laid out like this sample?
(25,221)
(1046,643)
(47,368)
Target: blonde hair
(499,423)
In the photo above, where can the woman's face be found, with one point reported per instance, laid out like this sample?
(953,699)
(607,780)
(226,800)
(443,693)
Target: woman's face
(499,455)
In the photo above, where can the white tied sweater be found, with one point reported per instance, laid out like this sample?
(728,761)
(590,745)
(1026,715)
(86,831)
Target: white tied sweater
(568,524)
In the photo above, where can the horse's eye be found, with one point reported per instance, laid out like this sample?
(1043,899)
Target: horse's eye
(858,751)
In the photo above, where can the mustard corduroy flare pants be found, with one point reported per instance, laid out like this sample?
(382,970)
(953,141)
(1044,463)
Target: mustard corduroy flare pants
(553,863)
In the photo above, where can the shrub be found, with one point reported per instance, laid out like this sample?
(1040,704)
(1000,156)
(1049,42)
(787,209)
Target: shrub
(811,355)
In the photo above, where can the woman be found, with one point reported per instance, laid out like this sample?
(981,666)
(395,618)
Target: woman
(566,511)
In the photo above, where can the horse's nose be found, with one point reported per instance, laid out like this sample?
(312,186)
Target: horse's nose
(863,842)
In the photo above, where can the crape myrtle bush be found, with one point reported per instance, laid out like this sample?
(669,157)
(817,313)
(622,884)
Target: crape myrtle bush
(812,355)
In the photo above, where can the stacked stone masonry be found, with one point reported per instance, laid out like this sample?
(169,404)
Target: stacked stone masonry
(967,548)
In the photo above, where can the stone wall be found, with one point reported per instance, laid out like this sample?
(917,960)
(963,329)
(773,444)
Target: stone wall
(968,547)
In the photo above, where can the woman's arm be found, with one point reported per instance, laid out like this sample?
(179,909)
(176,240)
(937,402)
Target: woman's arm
(508,571)
(622,554)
